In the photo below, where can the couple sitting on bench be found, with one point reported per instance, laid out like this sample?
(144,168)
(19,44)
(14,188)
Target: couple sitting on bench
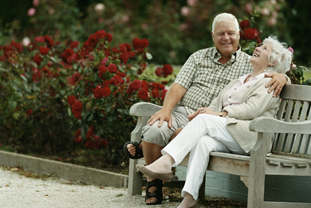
(223,126)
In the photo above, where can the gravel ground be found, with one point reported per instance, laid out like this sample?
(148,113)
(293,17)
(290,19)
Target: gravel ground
(17,189)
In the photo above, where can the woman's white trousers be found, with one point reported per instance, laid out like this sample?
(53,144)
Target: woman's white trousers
(204,134)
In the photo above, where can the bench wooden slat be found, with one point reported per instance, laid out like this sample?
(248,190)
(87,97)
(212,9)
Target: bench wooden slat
(296,92)
(291,138)
(282,137)
(299,144)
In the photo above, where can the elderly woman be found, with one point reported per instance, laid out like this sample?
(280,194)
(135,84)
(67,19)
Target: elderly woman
(223,126)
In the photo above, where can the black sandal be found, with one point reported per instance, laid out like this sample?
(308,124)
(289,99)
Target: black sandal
(138,153)
(157,194)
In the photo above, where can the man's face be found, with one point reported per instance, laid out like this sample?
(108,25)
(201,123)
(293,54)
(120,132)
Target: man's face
(225,37)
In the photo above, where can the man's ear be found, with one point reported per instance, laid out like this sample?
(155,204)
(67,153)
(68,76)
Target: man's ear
(212,36)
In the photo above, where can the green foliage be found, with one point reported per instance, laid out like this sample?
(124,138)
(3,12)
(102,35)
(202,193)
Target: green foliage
(32,116)
(175,29)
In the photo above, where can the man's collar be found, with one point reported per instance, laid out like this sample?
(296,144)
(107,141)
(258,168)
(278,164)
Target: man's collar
(215,54)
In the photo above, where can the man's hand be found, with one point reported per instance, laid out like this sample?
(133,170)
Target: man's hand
(276,83)
(162,115)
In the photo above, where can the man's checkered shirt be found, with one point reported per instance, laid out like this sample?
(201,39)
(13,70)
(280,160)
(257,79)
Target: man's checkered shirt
(204,77)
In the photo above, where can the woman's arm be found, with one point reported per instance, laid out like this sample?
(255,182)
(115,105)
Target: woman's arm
(255,104)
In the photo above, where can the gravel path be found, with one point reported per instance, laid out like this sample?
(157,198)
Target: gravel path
(16,190)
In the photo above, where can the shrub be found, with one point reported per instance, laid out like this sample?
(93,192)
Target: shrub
(95,83)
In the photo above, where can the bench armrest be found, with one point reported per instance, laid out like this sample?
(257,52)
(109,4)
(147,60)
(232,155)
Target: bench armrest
(277,126)
(144,109)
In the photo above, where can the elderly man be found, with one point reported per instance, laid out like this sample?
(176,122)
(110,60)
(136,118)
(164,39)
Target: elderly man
(199,81)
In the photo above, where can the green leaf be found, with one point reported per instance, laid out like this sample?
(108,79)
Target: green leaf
(69,111)
(12,104)
(16,115)
(90,117)
(120,68)
(75,66)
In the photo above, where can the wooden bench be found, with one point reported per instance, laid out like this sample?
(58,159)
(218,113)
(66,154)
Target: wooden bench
(290,155)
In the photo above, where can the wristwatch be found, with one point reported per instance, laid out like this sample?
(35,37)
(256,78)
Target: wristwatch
(220,114)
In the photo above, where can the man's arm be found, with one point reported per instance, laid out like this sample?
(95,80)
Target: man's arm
(276,83)
(173,96)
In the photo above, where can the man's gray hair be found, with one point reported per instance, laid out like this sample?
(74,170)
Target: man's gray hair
(281,58)
(225,17)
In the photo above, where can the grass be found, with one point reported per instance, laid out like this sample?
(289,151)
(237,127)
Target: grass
(307,74)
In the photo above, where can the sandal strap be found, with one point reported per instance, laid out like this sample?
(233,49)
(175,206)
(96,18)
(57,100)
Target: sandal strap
(158,192)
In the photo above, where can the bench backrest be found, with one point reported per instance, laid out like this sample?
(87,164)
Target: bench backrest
(295,107)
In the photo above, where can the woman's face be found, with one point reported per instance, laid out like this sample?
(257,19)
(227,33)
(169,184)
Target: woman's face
(260,56)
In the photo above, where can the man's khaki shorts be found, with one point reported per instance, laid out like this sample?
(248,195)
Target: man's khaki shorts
(161,135)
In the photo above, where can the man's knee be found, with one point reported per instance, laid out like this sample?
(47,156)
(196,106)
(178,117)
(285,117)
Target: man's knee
(155,134)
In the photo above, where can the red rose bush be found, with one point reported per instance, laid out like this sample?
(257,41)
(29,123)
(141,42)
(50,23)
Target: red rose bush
(92,82)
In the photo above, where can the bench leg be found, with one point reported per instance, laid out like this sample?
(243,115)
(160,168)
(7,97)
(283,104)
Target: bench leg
(256,184)
(135,179)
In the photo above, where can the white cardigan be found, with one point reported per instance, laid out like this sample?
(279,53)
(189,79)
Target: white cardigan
(256,102)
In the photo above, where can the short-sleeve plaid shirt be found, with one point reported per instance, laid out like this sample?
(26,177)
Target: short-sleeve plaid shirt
(204,77)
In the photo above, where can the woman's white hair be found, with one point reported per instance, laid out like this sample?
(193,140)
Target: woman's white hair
(225,17)
(281,58)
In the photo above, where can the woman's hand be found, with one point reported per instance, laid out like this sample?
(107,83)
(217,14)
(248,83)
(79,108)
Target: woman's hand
(202,111)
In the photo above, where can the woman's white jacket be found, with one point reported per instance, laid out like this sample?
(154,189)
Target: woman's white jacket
(256,102)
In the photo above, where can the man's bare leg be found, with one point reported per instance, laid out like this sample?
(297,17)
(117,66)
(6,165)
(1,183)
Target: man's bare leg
(152,152)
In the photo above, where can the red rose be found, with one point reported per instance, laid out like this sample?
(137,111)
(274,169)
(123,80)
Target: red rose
(158,72)
(74,44)
(167,70)
(95,137)
(37,59)
(36,77)
(102,70)
(105,91)
(39,39)
(106,83)
(109,37)
(71,99)
(103,143)
(78,132)
(124,57)
(155,93)
(144,43)
(77,109)
(134,86)
(121,74)
(78,140)
(66,54)
(90,132)
(144,85)
(44,50)
(245,23)
(143,94)
(97,92)
(90,144)
(163,93)
(136,43)
(128,46)
(76,77)
(112,68)
(49,41)
(116,80)
(29,112)
(249,33)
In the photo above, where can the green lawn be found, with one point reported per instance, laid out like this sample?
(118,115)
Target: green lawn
(307,74)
